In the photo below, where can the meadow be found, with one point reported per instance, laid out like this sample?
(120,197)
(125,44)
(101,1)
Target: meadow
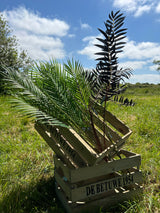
(26,161)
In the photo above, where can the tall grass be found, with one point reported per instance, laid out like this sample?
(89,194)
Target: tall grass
(26,165)
(26,162)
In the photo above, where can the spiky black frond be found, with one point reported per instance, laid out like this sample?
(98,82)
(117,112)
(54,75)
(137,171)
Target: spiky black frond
(123,101)
(108,74)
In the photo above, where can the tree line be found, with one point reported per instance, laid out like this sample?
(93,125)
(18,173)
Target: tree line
(10,55)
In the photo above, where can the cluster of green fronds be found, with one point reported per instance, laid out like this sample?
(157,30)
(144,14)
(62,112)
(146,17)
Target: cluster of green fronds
(52,93)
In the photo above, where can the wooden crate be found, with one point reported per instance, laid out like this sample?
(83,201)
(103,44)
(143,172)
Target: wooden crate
(110,200)
(79,149)
(101,185)
(86,178)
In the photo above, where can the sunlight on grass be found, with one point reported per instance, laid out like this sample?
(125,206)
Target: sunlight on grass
(25,159)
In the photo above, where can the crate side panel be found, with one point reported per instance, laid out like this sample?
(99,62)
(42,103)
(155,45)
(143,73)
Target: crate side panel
(110,133)
(127,153)
(53,145)
(81,146)
(113,120)
(104,168)
(100,188)
(67,148)
(94,206)
(64,185)
(113,149)
(65,169)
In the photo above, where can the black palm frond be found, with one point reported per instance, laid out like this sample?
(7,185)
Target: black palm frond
(107,73)
(123,101)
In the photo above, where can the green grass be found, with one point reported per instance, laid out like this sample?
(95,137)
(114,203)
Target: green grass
(144,120)
(26,165)
(26,162)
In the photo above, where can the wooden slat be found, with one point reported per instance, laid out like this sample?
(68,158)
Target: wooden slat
(109,117)
(81,151)
(113,149)
(68,150)
(81,146)
(91,139)
(60,147)
(108,130)
(100,135)
(103,139)
(115,122)
(126,153)
(126,136)
(104,168)
(54,146)
(63,199)
(101,187)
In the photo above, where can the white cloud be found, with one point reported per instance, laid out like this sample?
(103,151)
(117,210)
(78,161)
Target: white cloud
(137,7)
(90,49)
(85,26)
(71,35)
(142,9)
(132,49)
(133,64)
(24,19)
(129,5)
(158,8)
(145,78)
(153,67)
(40,36)
(141,50)
(41,47)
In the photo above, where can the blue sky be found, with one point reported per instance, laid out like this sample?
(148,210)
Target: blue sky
(68,28)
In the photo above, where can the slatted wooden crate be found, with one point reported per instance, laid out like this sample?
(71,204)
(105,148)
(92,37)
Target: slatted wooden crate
(109,200)
(98,186)
(81,172)
(66,142)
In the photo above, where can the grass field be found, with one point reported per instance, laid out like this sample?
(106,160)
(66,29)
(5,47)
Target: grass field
(26,162)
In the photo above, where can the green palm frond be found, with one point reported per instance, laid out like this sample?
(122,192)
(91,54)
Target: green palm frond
(35,113)
(80,85)
(54,94)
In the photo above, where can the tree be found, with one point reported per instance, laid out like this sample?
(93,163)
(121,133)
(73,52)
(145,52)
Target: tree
(9,54)
(157,62)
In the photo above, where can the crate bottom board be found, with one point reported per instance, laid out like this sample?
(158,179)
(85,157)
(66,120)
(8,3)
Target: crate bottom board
(95,205)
